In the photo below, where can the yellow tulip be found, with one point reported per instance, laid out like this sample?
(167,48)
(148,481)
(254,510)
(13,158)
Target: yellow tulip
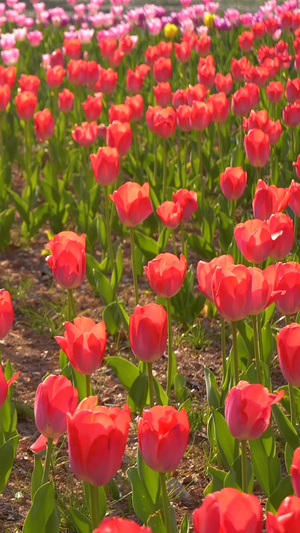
(208,20)
(170,31)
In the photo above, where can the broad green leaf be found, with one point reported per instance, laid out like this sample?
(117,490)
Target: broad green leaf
(7,457)
(37,475)
(43,515)
(150,479)
(79,521)
(225,441)
(142,503)
(212,393)
(234,477)
(267,469)
(147,245)
(217,477)
(285,427)
(125,371)
(283,490)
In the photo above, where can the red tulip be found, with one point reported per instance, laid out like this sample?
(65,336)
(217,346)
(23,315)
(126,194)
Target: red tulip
(72,48)
(163,93)
(67,260)
(166,273)
(85,134)
(170,213)
(248,410)
(108,46)
(269,199)
(107,80)
(134,81)
(120,525)
(259,29)
(246,40)
(55,76)
(203,45)
(105,165)
(188,201)
(119,136)
(97,438)
(165,48)
(295,471)
(4,96)
(257,146)
(258,120)
(136,106)
(274,130)
(29,83)
(288,345)
(296,164)
(201,116)
(121,113)
(43,125)
(291,114)
(196,93)
(231,289)
(233,182)
(205,272)
(183,51)
(239,67)
(162,69)
(4,385)
(282,234)
(220,107)
(77,72)
(148,332)
(149,116)
(84,344)
(228,511)
(241,103)
(262,290)
(26,103)
(93,107)
(132,203)
(184,118)
(55,397)
(292,90)
(287,519)
(179,98)
(206,74)
(286,278)
(224,83)
(163,434)
(65,101)
(274,91)
(254,240)
(6,313)
(294,202)
(164,122)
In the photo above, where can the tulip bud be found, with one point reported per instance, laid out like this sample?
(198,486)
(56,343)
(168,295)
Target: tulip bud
(148,332)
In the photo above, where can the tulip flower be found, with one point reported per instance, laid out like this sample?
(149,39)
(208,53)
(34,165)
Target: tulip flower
(120,525)
(105,165)
(4,96)
(286,278)
(55,76)
(4,385)
(274,91)
(121,113)
(228,510)
(295,472)
(282,234)
(203,45)
(224,83)
(163,93)
(170,213)
(136,106)
(107,80)
(43,125)
(288,345)
(132,203)
(85,134)
(205,271)
(257,146)
(119,136)
(77,72)
(162,69)
(296,164)
(294,201)
(188,201)
(254,240)
(248,410)
(29,83)
(93,107)
(65,101)
(269,199)
(84,344)
(196,93)
(233,182)
(6,313)
(287,518)
(72,48)
(134,81)
(26,102)
(67,260)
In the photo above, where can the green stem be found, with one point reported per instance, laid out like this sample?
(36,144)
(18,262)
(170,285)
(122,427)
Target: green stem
(28,148)
(170,359)
(256,349)
(184,248)
(293,405)
(260,341)
(244,466)
(220,145)
(185,161)
(135,144)
(155,158)
(48,461)
(199,139)
(71,312)
(88,385)
(174,243)
(164,190)
(293,143)
(233,212)
(235,353)
(166,503)
(94,506)
(151,384)
(179,155)
(109,241)
(133,263)
(295,234)
(223,348)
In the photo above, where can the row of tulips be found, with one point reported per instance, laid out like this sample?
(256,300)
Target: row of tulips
(228,125)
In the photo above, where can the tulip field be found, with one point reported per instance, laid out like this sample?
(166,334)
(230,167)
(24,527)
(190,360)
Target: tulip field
(149,268)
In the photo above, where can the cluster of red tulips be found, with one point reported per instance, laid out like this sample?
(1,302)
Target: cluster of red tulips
(166,144)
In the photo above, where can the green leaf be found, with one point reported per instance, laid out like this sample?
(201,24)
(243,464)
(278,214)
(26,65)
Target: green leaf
(234,477)
(142,503)
(150,479)
(7,218)
(37,475)
(283,489)
(212,393)
(217,480)
(138,392)
(225,441)
(114,314)
(185,524)
(147,245)
(156,522)
(79,521)
(288,456)
(7,457)
(43,515)
(160,395)
(202,247)
(180,388)
(118,270)
(80,383)
(125,371)
(267,469)
(285,427)
(103,287)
